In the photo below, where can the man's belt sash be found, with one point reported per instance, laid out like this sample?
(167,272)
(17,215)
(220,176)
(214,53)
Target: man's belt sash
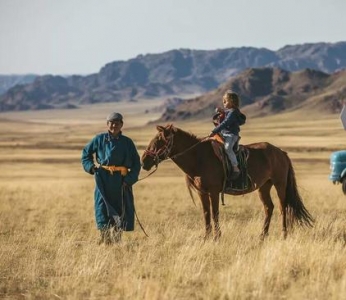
(112,169)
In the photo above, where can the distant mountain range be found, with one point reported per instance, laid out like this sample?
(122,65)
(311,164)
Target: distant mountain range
(171,73)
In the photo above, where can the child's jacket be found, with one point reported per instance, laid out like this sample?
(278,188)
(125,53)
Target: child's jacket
(234,118)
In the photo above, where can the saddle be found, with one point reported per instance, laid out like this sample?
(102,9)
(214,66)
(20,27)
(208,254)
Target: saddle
(243,182)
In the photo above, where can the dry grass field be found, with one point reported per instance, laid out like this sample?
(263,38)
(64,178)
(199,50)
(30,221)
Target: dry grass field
(48,239)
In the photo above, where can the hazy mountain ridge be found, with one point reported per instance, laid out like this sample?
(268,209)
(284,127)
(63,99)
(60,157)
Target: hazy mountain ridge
(168,74)
(270,90)
(8,81)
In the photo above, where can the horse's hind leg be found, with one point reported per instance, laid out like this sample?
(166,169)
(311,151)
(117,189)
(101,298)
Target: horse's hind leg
(264,193)
(214,200)
(207,215)
(281,191)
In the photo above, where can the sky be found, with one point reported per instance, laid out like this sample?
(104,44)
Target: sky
(65,37)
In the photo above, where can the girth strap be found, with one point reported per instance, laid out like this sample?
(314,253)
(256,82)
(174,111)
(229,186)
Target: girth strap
(112,169)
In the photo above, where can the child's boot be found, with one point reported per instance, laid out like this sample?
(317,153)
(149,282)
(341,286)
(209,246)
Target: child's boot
(235,172)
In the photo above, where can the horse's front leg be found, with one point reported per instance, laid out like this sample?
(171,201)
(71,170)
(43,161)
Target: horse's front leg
(214,200)
(207,215)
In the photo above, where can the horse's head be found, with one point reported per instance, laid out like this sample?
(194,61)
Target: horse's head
(159,148)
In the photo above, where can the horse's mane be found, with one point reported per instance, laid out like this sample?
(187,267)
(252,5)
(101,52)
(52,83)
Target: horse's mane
(189,134)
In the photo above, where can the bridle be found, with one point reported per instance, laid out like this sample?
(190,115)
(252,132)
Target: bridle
(164,152)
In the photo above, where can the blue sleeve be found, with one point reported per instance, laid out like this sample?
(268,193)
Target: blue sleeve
(132,176)
(230,118)
(87,155)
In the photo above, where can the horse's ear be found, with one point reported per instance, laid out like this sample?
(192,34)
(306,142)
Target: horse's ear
(171,127)
(160,128)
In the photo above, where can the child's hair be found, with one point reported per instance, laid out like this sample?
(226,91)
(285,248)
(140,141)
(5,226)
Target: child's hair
(232,97)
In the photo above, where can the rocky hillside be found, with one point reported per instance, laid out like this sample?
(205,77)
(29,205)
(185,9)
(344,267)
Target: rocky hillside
(270,90)
(171,73)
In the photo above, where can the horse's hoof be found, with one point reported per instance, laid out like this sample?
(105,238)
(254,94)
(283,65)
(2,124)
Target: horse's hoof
(207,237)
(216,239)
(263,236)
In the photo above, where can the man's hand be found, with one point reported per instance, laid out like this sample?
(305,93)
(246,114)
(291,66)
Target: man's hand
(93,169)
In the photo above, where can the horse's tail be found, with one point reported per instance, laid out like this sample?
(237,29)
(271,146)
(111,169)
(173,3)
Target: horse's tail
(296,211)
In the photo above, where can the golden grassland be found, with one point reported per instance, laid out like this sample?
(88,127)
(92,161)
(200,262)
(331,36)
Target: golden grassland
(48,239)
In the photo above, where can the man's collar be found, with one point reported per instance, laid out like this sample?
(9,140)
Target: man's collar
(110,136)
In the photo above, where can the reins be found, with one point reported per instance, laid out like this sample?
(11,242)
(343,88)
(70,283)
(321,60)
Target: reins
(188,149)
(152,172)
(140,224)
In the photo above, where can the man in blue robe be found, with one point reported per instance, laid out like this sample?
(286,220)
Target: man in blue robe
(116,169)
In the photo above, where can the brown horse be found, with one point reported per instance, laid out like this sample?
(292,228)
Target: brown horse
(267,166)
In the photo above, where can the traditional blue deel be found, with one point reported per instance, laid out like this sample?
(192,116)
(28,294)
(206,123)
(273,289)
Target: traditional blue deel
(337,166)
(110,197)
